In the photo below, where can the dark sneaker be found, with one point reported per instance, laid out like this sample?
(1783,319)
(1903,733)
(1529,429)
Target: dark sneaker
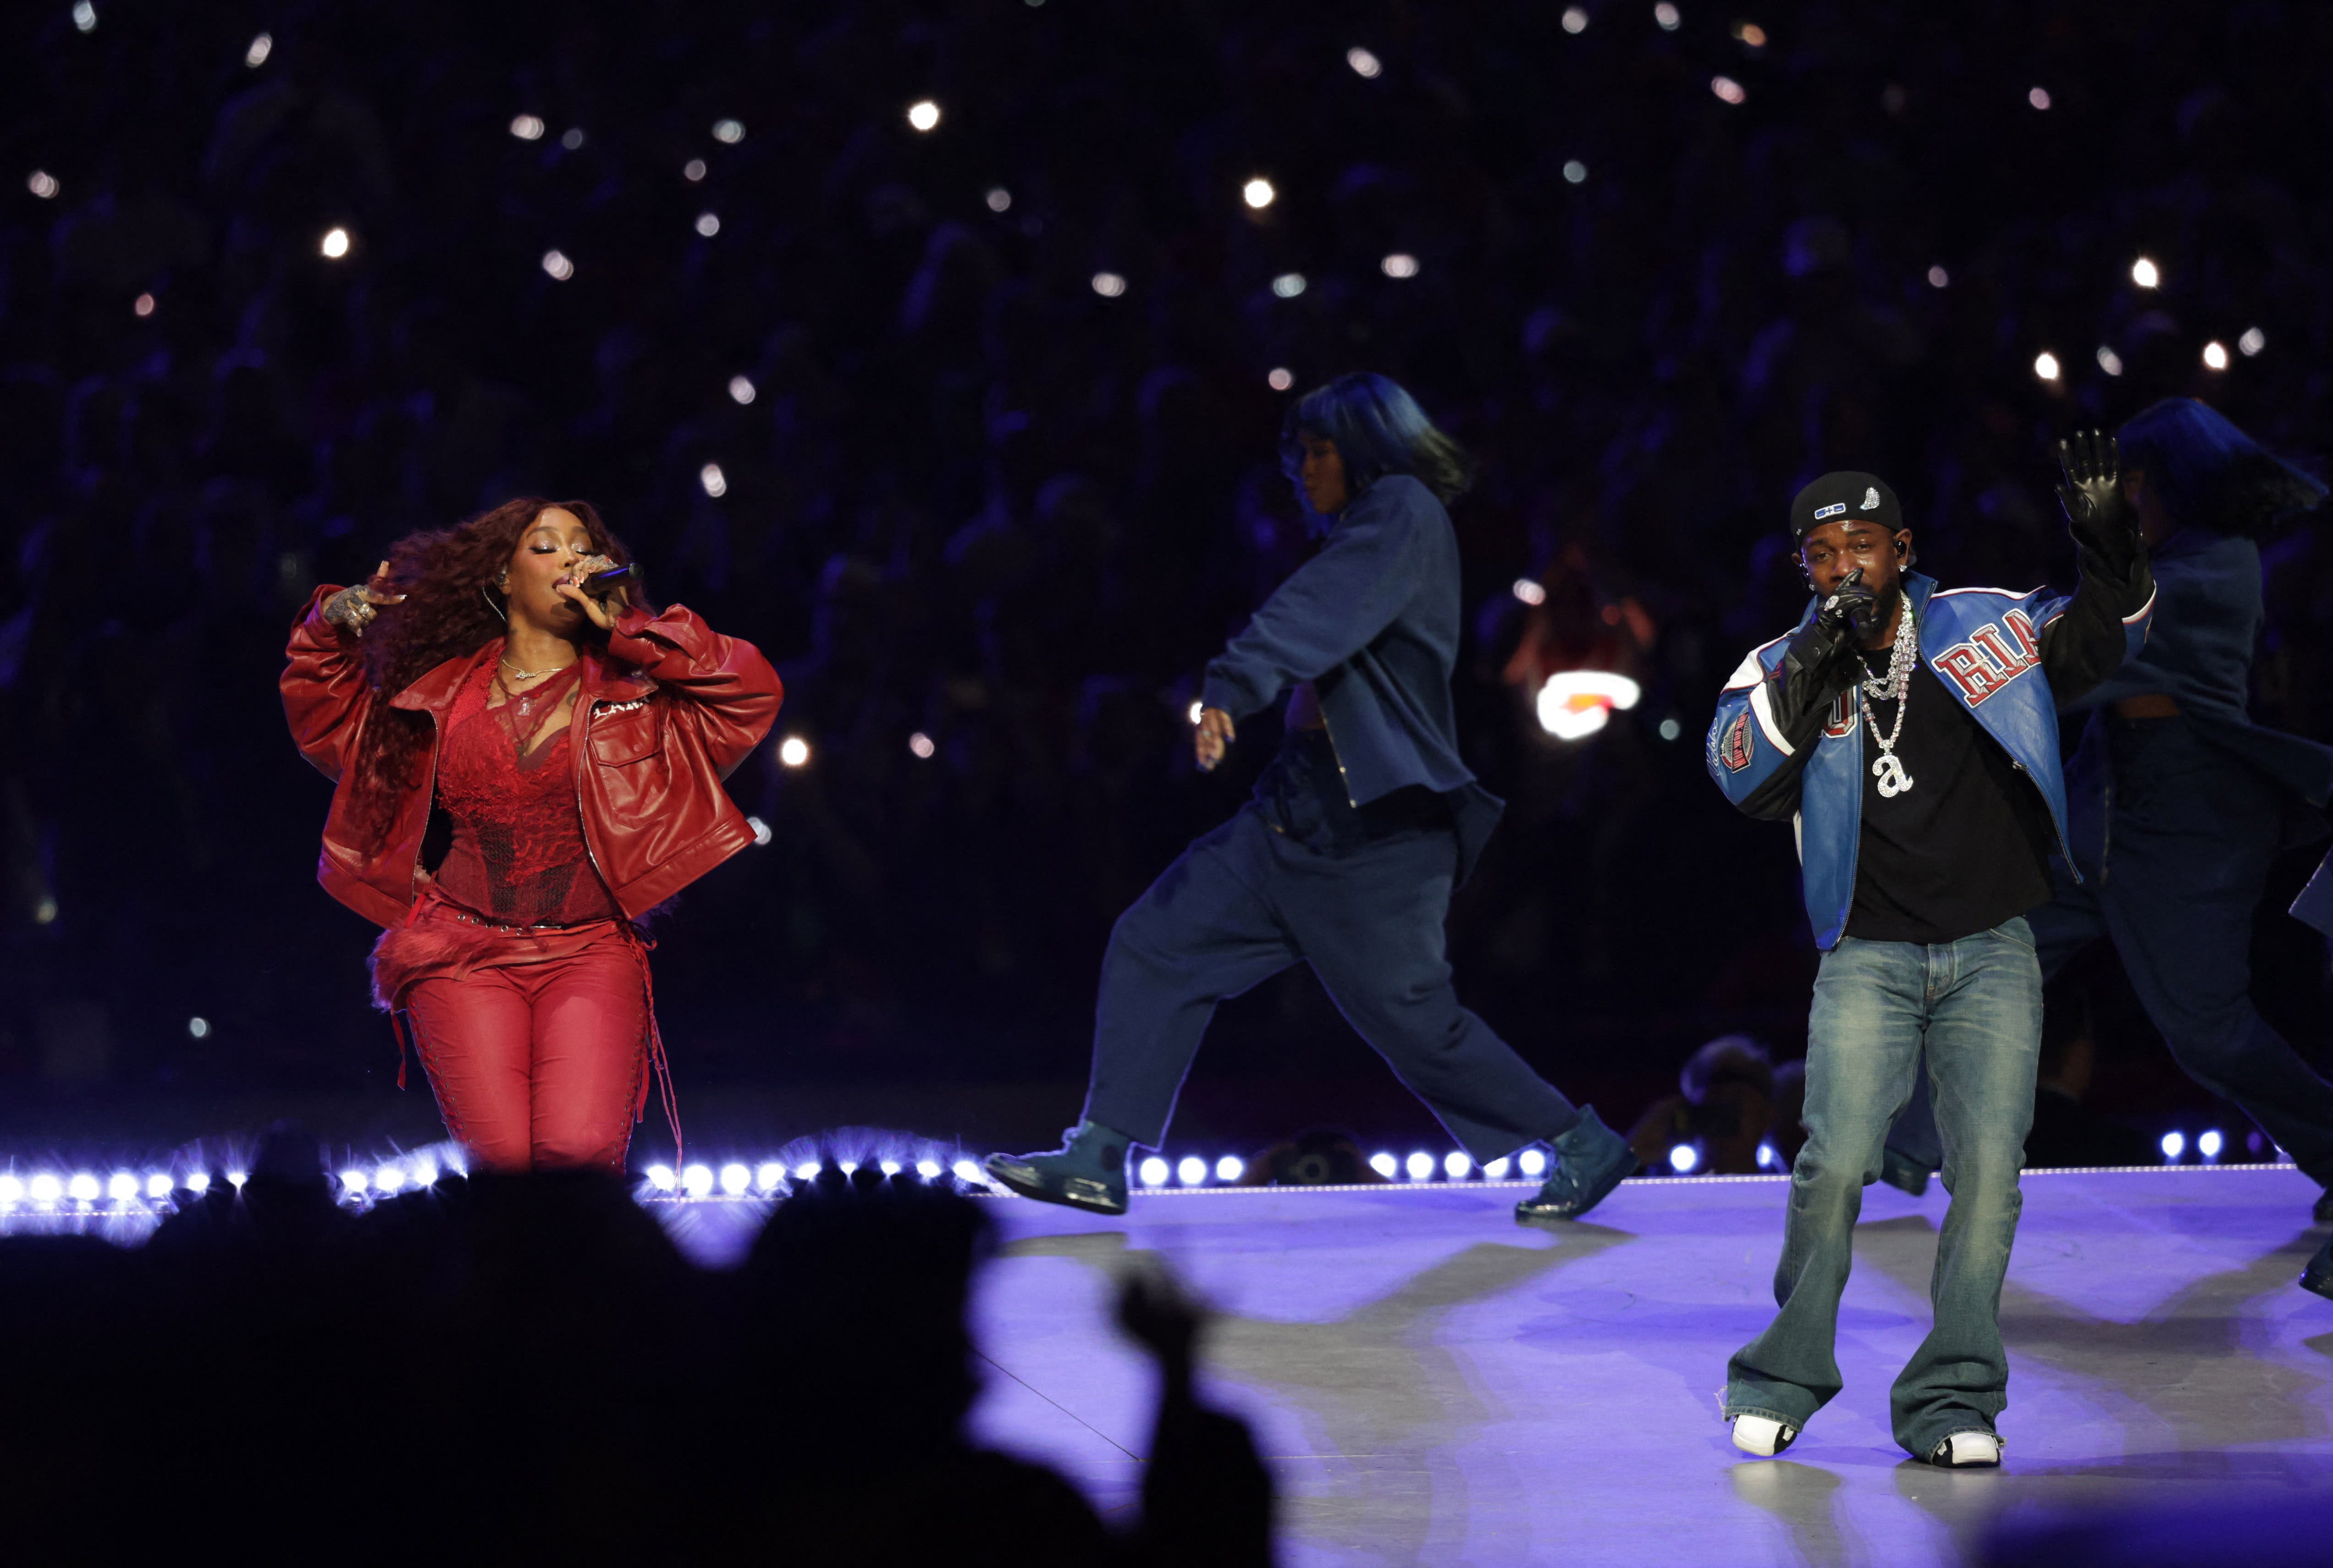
(1087,1172)
(1590,1161)
(2323,1213)
(1904,1172)
(2318,1276)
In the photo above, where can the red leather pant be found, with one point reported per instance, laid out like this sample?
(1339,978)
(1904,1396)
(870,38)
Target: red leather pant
(536,1047)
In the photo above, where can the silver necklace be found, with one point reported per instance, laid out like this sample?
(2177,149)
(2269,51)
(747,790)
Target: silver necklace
(1895,686)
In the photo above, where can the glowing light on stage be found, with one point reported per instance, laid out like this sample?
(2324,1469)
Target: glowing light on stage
(970,1175)
(728,132)
(709,224)
(846,1166)
(236,1178)
(1768,1157)
(696,1180)
(143,305)
(1456,1165)
(1574,171)
(2215,354)
(661,1177)
(1288,285)
(999,199)
(2174,1144)
(389,1177)
(1258,192)
(693,170)
(2045,365)
(922,114)
(1682,1158)
(335,244)
(1365,66)
(425,1173)
(1384,1165)
(83,1188)
(1192,1171)
(2039,97)
(1667,16)
(1938,278)
(2209,1143)
(1230,1168)
(1576,703)
(770,1177)
(2252,343)
(1532,1163)
(45,913)
(1670,730)
(1529,592)
(2109,361)
(1575,20)
(12,1187)
(919,746)
(199,1183)
(762,834)
(741,390)
(1496,1170)
(158,1185)
(888,1167)
(261,48)
(556,263)
(716,483)
(42,184)
(1280,379)
(794,752)
(1752,35)
(1420,1166)
(200,1029)
(807,1170)
(2146,274)
(735,1179)
(354,1183)
(85,15)
(528,126)
(1728,90)
(929,1170)
(122,1188)
(1155,1171)
(1108,285)
(572,139)
(1400,264)
(46,1188)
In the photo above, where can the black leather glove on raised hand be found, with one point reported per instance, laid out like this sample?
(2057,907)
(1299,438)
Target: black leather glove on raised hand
(2100,516)
(1819,663)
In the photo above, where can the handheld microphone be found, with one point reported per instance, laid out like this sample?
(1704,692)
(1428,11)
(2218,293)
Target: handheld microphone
(615,577)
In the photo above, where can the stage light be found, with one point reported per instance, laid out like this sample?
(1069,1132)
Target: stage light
(970,1175)
(158,1185)
(1456,1165)
(741,390)
(1575,20)
(770,1177)
(762,834)
(261,48)
(1419,1166)
(354,1183)
(929,1170)
(2209,1143)
(1768,1157)
(335,244)
(1752,35)
(1670,730)
(693,170)
(46,1188)
(1496,1170)
(573,138)
(237,1179)
(696,1180)
(1288,285)
(1230,1168)
(1108,285)
(1384,1165)
(846,1166)
(2174,1143)
(1666,16)
(794,752)
(1576,703)
(425,1173)
(1400,264)
(735,1179)
(2039,97)
(85,15)
(82,1188)
(1258,192)
(714,483)
(2252,343)
(556,263)
(42,184)
(199,1183)
(919,746)
(2109,361)
(45,911)
(2215,354)
(1728,90)
(2144,274)
(709,224)
(199,1027)
(1529,592)
(1532,1163)
(528,126)
(1155,1171)
(1938,278)
(1280,379)
(922,114)
(729,132)
(999,199)
(2045,365)
(1365,66)
(143,305)
(1574,171)
(1683,1157)
(122,1188)
(389,1177)
(806,1171)
(12,1187)
(661,1177)
(1192,1171)
(888,1167)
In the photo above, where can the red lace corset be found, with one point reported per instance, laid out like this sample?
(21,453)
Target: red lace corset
(518,854)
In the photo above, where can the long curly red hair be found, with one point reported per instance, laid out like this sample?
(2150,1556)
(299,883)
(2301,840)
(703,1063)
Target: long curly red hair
(451,609)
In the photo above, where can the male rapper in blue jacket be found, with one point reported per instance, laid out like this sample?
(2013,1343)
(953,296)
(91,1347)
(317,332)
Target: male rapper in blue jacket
(1912,733)
(1346,857)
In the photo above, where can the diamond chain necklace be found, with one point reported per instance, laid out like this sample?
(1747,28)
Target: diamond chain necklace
(1895,686)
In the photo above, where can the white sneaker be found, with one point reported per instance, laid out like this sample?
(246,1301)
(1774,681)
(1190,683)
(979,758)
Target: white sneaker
(1964,1451)
(1762,1437)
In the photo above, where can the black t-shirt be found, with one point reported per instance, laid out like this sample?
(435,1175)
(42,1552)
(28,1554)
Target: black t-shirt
(1967,846)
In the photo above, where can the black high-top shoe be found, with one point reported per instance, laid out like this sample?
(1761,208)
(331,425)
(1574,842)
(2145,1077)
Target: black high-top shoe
(1087,1172)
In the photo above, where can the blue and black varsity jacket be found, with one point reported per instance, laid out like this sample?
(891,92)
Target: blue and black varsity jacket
(2011,659)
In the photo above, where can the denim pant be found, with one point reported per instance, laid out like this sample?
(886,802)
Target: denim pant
(1975,1005)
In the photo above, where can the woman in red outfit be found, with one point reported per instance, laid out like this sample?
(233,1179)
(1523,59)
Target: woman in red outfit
(566,750)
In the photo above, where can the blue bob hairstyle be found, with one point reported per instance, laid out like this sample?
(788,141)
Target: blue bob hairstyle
(1378,429)
(2212,474)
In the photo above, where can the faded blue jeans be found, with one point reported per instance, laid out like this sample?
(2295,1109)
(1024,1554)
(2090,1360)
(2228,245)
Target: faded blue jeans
(1975,1005)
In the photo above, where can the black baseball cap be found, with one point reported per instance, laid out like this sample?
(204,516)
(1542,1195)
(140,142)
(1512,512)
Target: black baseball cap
(1846,496)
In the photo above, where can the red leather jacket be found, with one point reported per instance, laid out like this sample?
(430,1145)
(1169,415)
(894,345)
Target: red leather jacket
(661,718)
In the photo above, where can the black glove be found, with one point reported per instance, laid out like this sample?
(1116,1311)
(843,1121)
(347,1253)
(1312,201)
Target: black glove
(2099,515)
(1820,661)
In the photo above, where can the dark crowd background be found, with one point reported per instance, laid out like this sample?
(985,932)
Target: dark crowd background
(977,500)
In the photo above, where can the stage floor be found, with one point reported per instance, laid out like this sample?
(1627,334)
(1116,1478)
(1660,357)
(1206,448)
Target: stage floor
(1434,1384)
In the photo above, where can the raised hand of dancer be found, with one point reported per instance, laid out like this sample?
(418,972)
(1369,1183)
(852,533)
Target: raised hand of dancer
(1214,732)
(2097,510)
(353,608)
(594,606)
